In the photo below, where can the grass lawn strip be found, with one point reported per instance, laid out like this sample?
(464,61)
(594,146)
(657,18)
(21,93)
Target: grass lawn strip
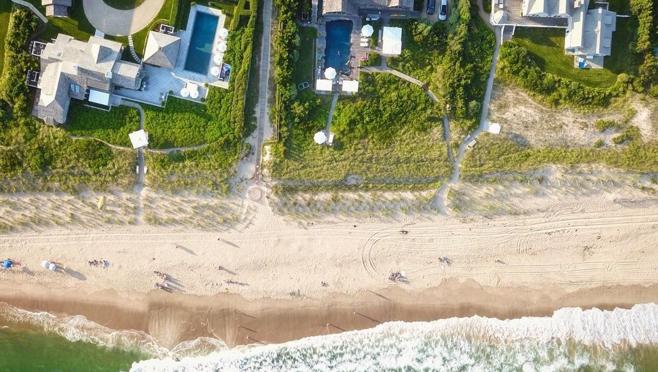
(110,126)
(123,4)
(5,13)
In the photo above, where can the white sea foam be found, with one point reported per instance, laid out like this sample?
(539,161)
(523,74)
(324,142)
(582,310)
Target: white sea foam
(570,339)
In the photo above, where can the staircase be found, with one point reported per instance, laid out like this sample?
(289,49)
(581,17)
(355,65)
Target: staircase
(131,45)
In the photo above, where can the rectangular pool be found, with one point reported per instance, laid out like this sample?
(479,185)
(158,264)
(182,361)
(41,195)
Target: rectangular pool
(201,43)
(337,51)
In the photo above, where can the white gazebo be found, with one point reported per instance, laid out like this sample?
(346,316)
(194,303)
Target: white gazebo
(367,31)
(350,86)
(320,137)
(392,41)
(139,139)
(330,73)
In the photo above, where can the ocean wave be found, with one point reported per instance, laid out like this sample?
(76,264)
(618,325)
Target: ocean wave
(570,339)
(79,328)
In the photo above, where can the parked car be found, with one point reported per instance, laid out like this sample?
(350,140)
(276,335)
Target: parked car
(443,11)
(431,4)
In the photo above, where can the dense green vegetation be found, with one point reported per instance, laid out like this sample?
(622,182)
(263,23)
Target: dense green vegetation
(465,64)
(13,89)
(306,56)
(423,47)
(392,143)
(124,4)
(112,127)
(37,157)
(496,154)
(646,13)
(5,12)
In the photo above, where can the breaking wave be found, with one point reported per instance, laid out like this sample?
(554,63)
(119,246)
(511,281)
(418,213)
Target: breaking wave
(571,339)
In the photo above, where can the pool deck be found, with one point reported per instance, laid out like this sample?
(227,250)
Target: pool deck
(163,82)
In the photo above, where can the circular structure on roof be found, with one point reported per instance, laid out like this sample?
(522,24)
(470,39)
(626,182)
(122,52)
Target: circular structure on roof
(330,73)
(214,71)
(184,92)
(223,33)
(320,137)
(367,31)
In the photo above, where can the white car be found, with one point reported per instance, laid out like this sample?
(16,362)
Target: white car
(443,10)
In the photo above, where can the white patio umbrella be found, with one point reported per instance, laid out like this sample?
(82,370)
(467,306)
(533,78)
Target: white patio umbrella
(330,73)
(194,94)
(320,137)
(367,31)
(185,92)
(214,70)
(223,33)
(218,59)
(221,46)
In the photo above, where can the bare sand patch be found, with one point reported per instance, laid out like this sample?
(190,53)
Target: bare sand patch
(552,189)
(530,123)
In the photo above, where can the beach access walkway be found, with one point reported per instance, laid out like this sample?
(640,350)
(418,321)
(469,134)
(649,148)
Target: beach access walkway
(120,22)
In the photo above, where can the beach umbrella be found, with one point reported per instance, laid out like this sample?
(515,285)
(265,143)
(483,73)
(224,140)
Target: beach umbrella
(223,33)
(218,59)
(330,73)
(320,137)
(221,46)
(7,264)
(367,31)
(194,94)
(184,93)
(214,70)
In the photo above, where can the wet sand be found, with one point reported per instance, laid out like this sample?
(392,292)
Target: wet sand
(173,318)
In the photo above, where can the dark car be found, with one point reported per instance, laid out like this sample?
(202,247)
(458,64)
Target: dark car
(431,5)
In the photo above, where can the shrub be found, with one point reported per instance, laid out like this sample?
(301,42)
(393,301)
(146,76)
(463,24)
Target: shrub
(631,134)
(603,125)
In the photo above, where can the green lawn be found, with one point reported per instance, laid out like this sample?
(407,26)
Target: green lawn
(423,46)
(547,47)
(123,4)
(5,12)
(112,126)
(304,68)
(387,136)
(183,123)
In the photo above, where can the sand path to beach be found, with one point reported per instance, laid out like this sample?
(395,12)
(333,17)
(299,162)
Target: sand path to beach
(574,248)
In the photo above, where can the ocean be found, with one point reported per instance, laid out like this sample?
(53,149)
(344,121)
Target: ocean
(570,340)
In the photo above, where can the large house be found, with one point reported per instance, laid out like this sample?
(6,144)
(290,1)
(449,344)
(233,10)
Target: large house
(351,7)
(76,69)
(588,31)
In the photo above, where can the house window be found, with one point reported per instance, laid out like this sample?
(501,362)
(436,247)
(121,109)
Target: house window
(75,88)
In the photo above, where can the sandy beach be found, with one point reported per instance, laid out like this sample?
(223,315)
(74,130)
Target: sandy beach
(270,289)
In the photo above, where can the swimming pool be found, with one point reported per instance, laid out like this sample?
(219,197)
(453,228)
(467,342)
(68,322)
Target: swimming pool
(337,51)
(201,43)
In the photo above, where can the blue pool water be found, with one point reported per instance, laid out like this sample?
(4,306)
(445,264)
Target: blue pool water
(200,49)
(337,52)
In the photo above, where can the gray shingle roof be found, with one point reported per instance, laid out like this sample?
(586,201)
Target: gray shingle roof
(162,49)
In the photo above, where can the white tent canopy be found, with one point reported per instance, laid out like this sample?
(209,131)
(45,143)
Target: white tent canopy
(139,139)
(330,73)
(320,137)
(101,98)
(367,31)
(351,86)
(324,85)
(392,41)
